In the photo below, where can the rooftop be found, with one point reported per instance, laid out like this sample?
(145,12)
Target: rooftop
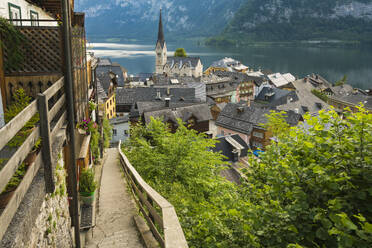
(242,118)
(200,112)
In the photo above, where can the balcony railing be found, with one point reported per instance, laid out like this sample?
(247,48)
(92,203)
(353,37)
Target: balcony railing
(164,224)
(52,119)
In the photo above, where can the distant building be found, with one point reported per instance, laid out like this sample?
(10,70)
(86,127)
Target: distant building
(228,65)
(281,80)
(195,116)
(106,94)
(105,65)
(221,89)
(120,129)
(233,147)
(273,97)
(345,95)
(126,99)
(305,101)
(178,66)
(246,122)
(246,84)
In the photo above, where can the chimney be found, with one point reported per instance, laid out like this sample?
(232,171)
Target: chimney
(167,102)
(158,96)
(240,109)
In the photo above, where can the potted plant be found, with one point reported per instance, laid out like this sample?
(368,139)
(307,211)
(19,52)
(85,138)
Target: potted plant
(31,157)
(12,185)
(86,126)
(87,186)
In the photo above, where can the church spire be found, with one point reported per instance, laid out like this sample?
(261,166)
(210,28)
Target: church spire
(161,32)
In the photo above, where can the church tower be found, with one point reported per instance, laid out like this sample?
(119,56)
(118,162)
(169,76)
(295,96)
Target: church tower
(161,49)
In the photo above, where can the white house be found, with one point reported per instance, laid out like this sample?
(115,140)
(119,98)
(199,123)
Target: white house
(120,129)
(22,9)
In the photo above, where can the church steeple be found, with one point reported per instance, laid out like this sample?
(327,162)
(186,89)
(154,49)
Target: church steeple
(160,49)
(160,31)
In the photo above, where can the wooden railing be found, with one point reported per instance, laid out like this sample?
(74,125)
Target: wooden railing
(49,116)
(162,219)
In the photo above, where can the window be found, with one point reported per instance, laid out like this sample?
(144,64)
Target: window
(222,133)
(15,14)
(126,132)
(34,16)
(258,135)
(114,132)
(257,144)
(108,117)
(107,105)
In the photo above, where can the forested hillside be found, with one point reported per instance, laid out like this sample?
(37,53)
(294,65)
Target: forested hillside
(288,20)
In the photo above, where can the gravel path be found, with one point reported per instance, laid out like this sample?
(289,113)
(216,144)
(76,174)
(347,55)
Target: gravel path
(115,225)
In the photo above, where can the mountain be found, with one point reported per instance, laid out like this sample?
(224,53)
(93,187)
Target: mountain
(236,20)
(138,18)
(283,20)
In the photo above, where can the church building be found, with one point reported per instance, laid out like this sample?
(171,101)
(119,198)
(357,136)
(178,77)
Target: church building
(174,66)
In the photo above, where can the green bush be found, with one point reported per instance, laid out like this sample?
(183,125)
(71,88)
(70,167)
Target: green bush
(311,188)
(87,183)
(107,132)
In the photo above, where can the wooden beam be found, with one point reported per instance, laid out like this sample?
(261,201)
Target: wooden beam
(57,107)
(46,146)
(8,213)
(17,158)
(11,128)
(52,90)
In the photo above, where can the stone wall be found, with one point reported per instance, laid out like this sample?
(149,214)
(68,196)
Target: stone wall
(53,225)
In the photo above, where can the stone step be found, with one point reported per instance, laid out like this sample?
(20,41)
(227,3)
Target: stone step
(117,239)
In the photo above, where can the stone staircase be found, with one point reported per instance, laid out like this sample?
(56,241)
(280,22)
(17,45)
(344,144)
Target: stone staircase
(116,240)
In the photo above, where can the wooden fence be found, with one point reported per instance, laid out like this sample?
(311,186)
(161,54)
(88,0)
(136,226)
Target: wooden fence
(50,116)
(161,218)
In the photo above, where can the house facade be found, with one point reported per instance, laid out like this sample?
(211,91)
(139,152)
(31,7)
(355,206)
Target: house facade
(246,121)
(22,9)
(120,129)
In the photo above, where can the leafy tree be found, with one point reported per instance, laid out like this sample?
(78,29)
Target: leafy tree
(20,102)
(342,81)
(180,52)
(276,123)
(315,188)
(13,40)
(312,188)
(107,132)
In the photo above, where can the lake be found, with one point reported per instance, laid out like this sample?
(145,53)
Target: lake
(331,63)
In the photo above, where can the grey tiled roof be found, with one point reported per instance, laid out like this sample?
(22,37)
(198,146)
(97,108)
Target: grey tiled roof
(141,94)
(355,99)
(101,92)
(251,116)
(158,105)
(118,120)
(191,61)
(275,97)
(105,66)
(104,79)
(307,101)
(200,111)
(240,77)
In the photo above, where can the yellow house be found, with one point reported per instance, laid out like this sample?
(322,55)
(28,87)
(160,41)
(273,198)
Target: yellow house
(106,100)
